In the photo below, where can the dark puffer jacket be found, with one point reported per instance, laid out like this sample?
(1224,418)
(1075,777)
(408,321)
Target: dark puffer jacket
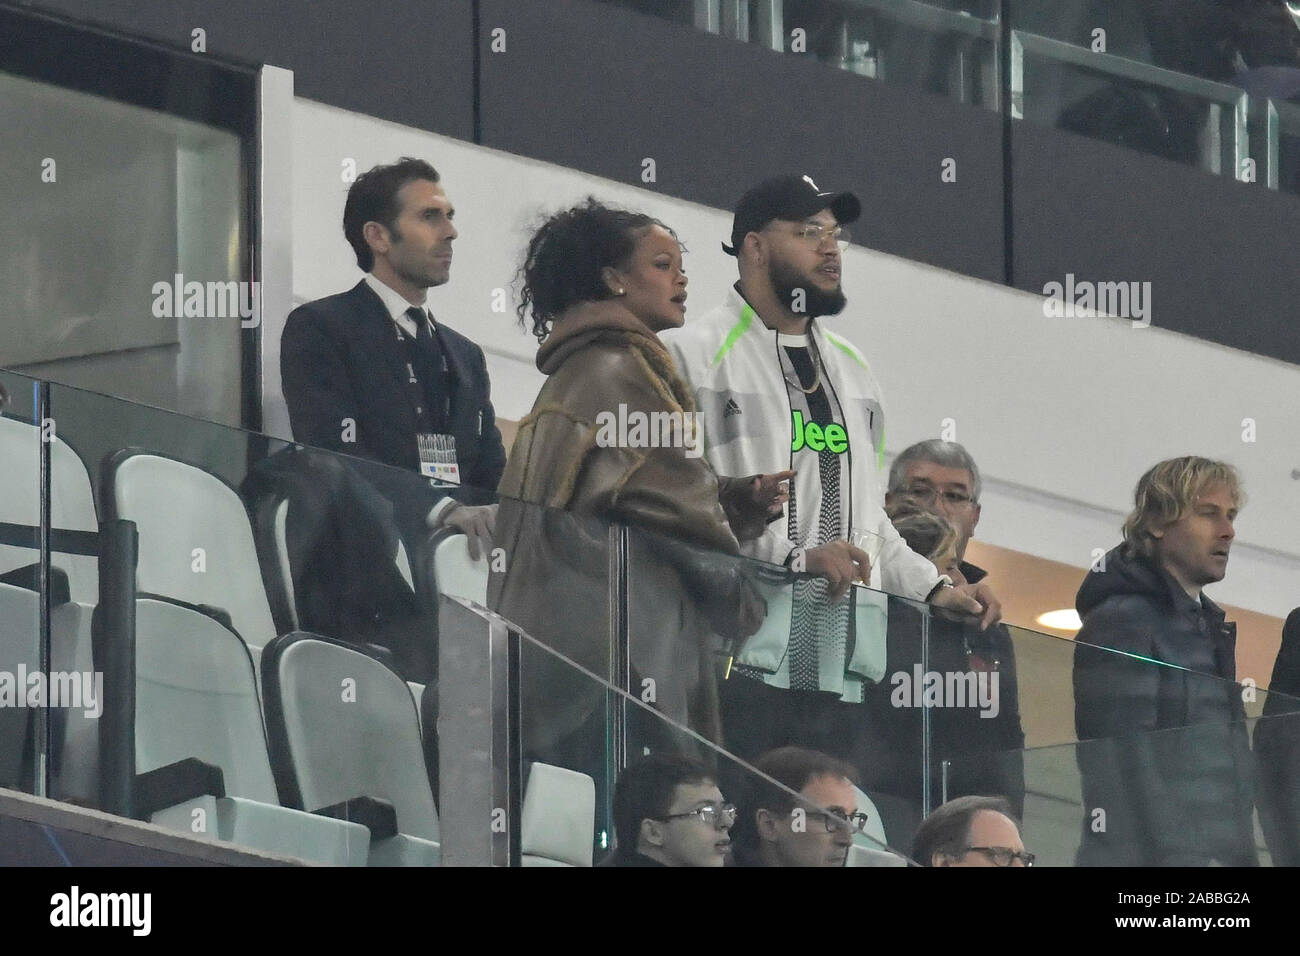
(1163,749)
(1277,750)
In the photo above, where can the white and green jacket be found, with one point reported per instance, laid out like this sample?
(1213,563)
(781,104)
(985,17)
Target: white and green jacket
(728,357)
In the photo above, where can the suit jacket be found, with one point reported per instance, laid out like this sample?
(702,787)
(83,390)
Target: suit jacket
(340,359)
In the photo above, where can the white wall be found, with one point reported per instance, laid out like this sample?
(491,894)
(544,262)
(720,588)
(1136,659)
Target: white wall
(1063,415)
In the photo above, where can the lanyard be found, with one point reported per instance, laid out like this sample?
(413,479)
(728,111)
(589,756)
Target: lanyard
(419,398)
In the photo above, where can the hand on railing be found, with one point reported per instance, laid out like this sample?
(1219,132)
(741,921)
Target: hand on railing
(477,522)
(973,599)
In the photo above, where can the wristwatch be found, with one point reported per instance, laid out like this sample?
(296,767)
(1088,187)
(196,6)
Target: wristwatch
(944,582)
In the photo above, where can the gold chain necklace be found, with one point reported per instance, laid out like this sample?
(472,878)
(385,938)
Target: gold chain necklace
(817,371)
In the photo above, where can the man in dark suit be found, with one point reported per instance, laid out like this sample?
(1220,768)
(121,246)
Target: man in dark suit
(371,373)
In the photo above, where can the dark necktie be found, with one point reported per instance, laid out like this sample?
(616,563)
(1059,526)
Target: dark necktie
(422,334)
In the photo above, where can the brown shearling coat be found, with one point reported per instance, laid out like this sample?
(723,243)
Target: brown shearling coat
(560,492)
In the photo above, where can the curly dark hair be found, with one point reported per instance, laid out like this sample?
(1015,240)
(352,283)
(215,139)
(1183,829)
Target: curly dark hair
(566,254)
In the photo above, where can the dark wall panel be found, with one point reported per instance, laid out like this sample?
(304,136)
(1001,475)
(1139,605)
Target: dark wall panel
(1220,255)
(408,62)
(600,89)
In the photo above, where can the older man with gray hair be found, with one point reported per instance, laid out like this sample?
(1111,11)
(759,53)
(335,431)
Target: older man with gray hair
(981,747)
(941,476)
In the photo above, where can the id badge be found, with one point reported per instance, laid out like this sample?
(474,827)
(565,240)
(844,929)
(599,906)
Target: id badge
(438,458)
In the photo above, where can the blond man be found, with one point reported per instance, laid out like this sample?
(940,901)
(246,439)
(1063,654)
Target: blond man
(1163,751)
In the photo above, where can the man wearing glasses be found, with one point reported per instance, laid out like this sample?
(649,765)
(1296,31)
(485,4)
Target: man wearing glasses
(942,478)
(778,392)
(815,829)
(971,831)
(668,811)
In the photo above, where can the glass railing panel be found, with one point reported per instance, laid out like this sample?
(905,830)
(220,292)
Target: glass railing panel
(218,542)
(1201,38)
(23,747)
(1190,795)
(945,48)
(564,738)
(260,538)
(1104,94)
(850,678)
(942,47)
(922,702)
(1190,81)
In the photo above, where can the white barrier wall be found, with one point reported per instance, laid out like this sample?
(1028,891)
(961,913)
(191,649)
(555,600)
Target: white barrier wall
(1062,415)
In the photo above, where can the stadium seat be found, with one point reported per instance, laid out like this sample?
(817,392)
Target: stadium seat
(72,503)
(273,541)
(72,507)
(73,733)
(345,734)
(74,765)
(559,817)
(454,572)
(860,855)
(20,622)
(196,700)
(196,540)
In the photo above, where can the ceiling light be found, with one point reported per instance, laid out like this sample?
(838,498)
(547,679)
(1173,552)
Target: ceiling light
(1066,619)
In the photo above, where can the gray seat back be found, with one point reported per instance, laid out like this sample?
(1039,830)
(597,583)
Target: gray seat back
(20,625)
(196,696)
(455,573)
(283,570)
(348,727)
(559,817)
(72,502)
(196,541)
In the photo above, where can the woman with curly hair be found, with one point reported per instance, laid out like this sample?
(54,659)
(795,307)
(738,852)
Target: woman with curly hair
(600,283)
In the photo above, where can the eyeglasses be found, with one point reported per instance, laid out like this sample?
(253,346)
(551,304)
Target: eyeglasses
(927,494)
(816,233)
(710,816)
(853,822)
(1001,855)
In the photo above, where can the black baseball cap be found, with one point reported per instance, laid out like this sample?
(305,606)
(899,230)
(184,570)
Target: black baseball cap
(786,197)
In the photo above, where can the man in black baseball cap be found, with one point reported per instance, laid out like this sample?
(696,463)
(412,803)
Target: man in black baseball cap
(787,197)
(778,391)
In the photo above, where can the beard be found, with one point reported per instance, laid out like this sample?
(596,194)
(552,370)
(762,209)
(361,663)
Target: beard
(787,283)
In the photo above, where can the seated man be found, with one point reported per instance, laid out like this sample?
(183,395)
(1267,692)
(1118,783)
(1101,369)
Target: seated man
(778,830)
(971,831)
(668,811)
